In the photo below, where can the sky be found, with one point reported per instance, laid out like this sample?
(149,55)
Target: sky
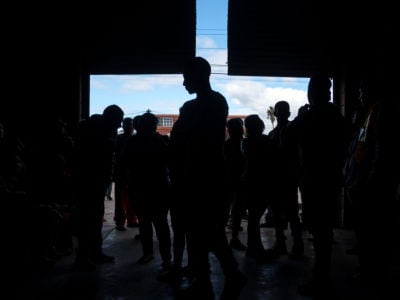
(165,94)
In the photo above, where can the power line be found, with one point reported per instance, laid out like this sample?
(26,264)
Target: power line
(212,34)
(212,29)
(210,48)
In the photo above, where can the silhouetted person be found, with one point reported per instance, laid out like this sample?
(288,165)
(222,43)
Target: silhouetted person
(198,171)
(358,162)
(14,192)
(372,183)
(235,161)
(285,206)
(93,162)
(323,137)
(123,212)
(144,160)
(48,159)
(259,178)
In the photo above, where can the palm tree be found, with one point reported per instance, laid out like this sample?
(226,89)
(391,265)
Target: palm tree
(271,115)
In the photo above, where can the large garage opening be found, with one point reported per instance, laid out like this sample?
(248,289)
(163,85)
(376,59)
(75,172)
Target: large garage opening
(164,94)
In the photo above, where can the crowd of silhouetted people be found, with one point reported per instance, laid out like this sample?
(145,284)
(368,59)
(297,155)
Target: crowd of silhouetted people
(56,181)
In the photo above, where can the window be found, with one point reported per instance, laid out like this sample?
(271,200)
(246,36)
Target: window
(165,121)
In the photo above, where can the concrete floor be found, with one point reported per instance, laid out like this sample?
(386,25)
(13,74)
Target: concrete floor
(128,280)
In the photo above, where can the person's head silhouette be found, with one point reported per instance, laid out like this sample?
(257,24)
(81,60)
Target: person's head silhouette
(127,125)
(196,75)
(147,124)
(254,125)
(235,127)
(114,114)
(282,111)
(319,89)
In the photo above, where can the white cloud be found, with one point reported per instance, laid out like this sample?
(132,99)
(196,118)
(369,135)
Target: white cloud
(147,83)
(254,97)
(97,84)
(250,94)
(205,42)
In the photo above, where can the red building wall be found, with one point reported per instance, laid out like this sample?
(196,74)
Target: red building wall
(166,118)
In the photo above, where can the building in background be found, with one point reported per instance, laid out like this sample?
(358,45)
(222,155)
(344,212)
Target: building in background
(166,121)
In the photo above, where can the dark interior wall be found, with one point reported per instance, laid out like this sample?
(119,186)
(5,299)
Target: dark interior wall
(151,37)
(44,64)
(288,37)
(299,37)
(51,49)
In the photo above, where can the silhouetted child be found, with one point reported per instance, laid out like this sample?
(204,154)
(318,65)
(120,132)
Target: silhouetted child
(235,161)
(144,160)
(285,205)
(260,182)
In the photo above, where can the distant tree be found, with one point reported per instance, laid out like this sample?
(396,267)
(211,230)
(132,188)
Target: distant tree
(271,116)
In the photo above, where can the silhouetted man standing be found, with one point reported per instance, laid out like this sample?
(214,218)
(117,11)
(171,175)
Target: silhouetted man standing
(198,173)
(323,137)
(93,164)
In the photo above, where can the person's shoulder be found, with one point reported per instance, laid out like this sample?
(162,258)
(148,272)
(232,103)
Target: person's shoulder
(220,101)
(218,95)
(333,106)
(97,121)
(272,131)
(288,128)
(96,117)
(160,136)
(188,105)
(89,122)
(335,111)
(328,107)
(93,119)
